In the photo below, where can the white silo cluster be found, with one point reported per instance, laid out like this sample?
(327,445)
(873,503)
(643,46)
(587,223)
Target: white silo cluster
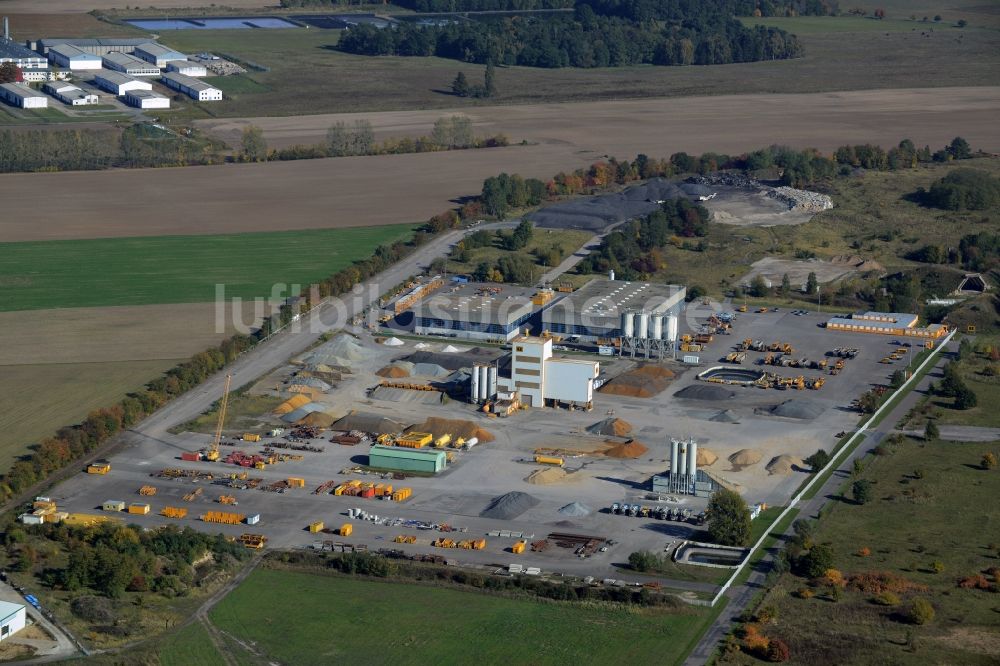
(649,326)
(683,466)
(483,383)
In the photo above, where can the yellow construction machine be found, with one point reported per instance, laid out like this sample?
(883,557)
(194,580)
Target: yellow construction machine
(213,451)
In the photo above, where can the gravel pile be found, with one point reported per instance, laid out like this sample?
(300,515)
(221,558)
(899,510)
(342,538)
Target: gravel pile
(576,509)
(704,392)
(746,457)
(611,426)
(341,351)
(509,506)
(797,409)
(784,464)
(802,200)
(726,416)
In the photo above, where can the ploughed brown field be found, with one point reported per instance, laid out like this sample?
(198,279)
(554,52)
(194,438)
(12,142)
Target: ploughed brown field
(348,192)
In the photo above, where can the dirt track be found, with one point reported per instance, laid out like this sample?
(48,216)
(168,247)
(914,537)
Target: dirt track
(400,188)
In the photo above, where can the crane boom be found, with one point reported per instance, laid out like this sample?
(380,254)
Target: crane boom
(213,451)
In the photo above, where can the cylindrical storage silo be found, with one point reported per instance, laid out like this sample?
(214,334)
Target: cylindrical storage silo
(492,390)
(642,325)
(671,328)
(682,461)
(627,327)
(657,332)
(692,459)
(673,456)
(484,382)
(474,394)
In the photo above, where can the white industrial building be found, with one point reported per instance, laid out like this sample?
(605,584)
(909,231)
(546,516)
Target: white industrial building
(157,54)
(146,99)
(129,64)
(13,617)
(73,58)
(33,66)
(192,87)
(118,84)
(540,380)
(18,94)
(638,317)
(187,68)
(68,93)
(100,46)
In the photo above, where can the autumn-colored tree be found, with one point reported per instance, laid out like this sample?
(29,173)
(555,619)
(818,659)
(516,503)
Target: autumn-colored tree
(10,73)
(989,460)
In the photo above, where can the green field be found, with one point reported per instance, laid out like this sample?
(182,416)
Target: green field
(177,269)
(808,25)
(300,618)
(932,504)
(307,75)
(190,646)
(36,400)
(568,242)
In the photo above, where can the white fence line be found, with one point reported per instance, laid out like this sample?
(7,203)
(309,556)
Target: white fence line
(833,463)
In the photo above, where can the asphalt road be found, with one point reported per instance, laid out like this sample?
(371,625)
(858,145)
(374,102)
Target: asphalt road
(741,597)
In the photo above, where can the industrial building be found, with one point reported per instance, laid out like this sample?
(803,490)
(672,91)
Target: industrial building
(33,67)
(157,54)
(18,94)
(886,323)
(73,58)
(129,64)
(187,68)
(146,99)
(67,93)
(118,84)
(403,459)
(540,380)
(100,47)
(642,316)
(478,311)
(192,87)
(12,619)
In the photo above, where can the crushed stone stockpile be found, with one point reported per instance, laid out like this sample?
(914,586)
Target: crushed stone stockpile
(395,371)
(576,509)
(438,426)
(455,360)
(393,342)
(509,506)
(704,392)
(642,382)
(812,202)
(369,423)
(746,457)
(784,464)
(342,352)
(627,450)
(548,476)
(726,416)
(796,409)
(706,457)
(318,420)
(612,427)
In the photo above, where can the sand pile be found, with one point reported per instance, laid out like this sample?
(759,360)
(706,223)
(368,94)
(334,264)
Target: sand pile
(726,416)
(704,392)
(343,351)
(630,449)
(642,382)
(706,457)
(292,404)
(611,427)
(392,372)
(745,458)
(576,509)
(455,427)
(784,464)
(797,409)
(368,423)
(318,420)
(549,475)
(509,506)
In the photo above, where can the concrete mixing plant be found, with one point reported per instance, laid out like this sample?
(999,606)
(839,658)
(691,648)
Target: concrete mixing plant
(684,477)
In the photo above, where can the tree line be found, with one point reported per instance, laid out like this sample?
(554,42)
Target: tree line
(584,39)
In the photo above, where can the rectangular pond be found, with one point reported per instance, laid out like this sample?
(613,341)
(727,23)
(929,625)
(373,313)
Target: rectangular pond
(230,23)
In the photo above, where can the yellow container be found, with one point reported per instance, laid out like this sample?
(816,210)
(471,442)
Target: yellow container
(442,441)
(401,494)
(174,512)
(99,468)
(251,437)
(223,517)
(519,547)
(138,508)
(549,460)
(345,529)
(295,482)
(316,527)
(415,440)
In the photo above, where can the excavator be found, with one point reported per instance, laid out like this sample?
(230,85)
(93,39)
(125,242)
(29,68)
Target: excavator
(212,454)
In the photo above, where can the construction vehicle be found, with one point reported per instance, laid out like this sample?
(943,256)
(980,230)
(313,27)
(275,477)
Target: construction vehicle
(519,547)
(736,357)
(742,308)
(763,310)
(99,467)
(405,538)
(212,452)
(442,441)
(253,541)
(817,383)
(193,495)
(147,491)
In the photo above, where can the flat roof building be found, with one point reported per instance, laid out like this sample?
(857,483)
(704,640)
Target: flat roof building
(117,83)
(73,58)
(101,46)
(192,87)
(67,93)
(475,311)
(429,461)
(607,309)
(33,67)
(886,323)
(187,68)
(146,99)
(129,64)
(18,94)
(12,619)
(541,380)
(157,54)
